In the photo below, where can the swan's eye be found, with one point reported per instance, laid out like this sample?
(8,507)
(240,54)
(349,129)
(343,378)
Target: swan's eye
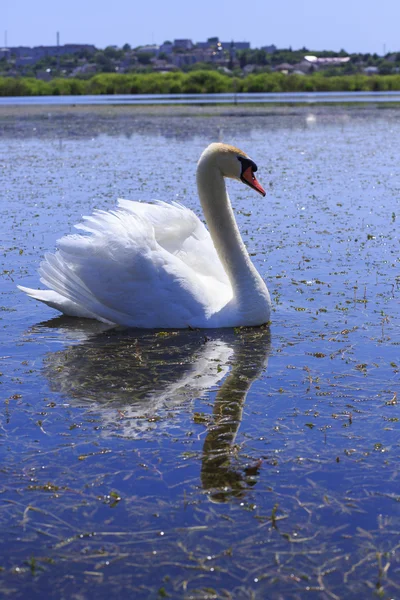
(246,163)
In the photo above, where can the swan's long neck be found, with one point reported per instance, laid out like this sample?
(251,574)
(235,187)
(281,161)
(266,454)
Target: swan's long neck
(248,287)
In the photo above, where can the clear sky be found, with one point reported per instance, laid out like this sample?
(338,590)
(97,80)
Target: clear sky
(355,25)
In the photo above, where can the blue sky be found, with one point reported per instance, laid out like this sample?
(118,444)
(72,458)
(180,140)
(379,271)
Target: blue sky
(355,25)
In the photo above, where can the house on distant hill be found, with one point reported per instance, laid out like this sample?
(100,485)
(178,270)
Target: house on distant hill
(183,45)
(214,42)
(236,45)
(371,70)
(327,61)
(5,53)
(284,68)
(303,67)
(85,69)
(148,49)
(161,65)
(269,49)
(166,48)
(38,52)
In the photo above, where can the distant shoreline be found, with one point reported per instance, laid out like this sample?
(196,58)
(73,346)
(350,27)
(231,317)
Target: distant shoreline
(188,111)
(211,104)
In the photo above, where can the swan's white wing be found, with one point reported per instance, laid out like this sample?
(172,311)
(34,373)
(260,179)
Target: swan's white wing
(138,267)
(178,230)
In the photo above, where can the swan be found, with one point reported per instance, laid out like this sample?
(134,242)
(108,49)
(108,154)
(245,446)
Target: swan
(156,266)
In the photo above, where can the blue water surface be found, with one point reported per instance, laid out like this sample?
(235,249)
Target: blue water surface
(200,99)
(206,464)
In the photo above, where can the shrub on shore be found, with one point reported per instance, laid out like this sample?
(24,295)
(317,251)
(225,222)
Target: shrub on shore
(195,82)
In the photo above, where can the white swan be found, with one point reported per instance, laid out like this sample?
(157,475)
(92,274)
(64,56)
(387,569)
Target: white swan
(156,265)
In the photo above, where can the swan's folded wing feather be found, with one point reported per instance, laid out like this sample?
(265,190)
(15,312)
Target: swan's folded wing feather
(120,273)
(140,265)
(179,231)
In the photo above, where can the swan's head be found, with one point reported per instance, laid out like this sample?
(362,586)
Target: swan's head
(234,163)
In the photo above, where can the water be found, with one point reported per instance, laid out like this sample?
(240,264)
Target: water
(248,464)
(200,99)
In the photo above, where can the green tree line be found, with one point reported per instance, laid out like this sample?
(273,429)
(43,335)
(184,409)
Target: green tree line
(195,82)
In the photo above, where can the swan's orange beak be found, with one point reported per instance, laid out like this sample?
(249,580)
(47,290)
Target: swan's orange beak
(249,178)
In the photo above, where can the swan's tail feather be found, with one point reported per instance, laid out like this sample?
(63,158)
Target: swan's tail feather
(59,276)
(49,297)
(70,273)
(56,273)
(58,302)
(67,292)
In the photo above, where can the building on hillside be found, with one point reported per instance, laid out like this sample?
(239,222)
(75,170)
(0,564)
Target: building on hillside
(25,61)
(214,42)
(303,67)
(284,68)
(44,75)
(128,61)
(21,51)
(203,55)
(183,44)
(38,52)
(85,69)
(161,65)
(269,49)
(167,48)
(148,49)
(327,61)
(5,53)
(198,55)
(77,48)
(247,69)
(236,45)
(183,59)
(394,57)
(371,70)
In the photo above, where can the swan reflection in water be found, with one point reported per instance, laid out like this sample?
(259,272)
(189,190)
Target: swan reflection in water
(130,375)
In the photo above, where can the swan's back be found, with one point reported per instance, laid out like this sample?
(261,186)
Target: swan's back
(179,231)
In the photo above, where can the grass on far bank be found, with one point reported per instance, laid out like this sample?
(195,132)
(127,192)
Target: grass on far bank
(196,82)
